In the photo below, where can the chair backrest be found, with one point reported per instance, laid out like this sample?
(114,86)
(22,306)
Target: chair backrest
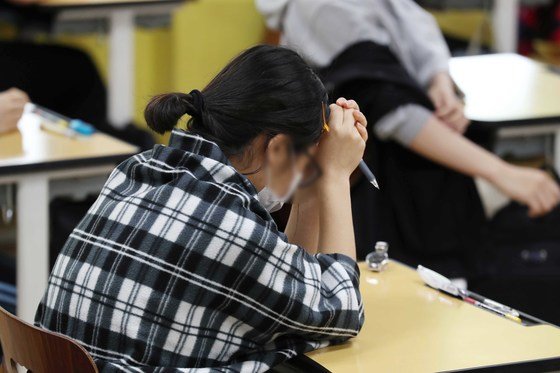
(40,350)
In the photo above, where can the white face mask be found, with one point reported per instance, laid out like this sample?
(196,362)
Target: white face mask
(271,201)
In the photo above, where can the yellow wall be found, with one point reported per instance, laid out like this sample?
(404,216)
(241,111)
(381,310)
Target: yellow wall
(203,37)
(463,23)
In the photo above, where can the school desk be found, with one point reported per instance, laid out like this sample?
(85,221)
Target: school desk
(410,327)
(42,165)
(121,16)
(513,94)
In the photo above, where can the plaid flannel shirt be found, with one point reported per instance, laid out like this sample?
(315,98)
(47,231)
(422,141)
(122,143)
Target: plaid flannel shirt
(177,266)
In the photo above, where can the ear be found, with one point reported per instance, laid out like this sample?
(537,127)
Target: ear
(278,150)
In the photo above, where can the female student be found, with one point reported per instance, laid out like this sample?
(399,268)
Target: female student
(390,56)
(178,264)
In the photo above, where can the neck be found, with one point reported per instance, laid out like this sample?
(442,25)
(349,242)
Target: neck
(256,178)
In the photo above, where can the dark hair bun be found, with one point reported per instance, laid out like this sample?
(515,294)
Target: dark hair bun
(265,90)
(164,111)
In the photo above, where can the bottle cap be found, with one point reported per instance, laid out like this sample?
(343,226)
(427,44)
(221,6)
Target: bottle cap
(381,247)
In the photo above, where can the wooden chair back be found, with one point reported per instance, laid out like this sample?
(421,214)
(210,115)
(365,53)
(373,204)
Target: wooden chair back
(39,350)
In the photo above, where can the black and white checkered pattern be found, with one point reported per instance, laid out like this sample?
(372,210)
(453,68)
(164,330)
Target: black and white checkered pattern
(177,266)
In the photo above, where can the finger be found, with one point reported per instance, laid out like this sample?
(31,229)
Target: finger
(336,117)
(460,125)
(445,109)
(18,102)
(341,101)
(546,202)
(554,193)
(535,209)
(464,124)
(17,93)
(362,131)
(360,118)
(448,125)
(351,104)
(348,121)
(437,99)
(454,116)
(453,113)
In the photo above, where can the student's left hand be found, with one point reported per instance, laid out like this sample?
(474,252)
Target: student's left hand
(449,108)
(359,117)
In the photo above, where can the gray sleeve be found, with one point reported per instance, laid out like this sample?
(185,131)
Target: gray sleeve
(402,124)
(428,49)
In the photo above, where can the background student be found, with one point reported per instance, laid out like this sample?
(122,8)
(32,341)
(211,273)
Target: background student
(390,57)
(60,78)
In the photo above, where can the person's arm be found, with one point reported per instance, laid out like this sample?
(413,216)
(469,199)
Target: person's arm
(321,215)
(339,153)
(531,187)
(430,58)
(450,109)
(335,217)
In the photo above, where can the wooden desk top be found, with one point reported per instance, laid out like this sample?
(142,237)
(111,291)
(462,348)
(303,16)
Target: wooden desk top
(32,149)
(507,88)
(97,3)
(410,327)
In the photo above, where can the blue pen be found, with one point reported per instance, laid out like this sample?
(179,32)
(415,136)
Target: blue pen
(68,126)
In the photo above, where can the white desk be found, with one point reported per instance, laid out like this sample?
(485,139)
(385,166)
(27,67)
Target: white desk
(509,92)
(43,165)
(121,16)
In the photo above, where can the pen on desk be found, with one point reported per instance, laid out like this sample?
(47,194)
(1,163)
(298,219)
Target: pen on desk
(58,129)
(495,310)
(363,166)
(494,304)
(442,283)
(58,123)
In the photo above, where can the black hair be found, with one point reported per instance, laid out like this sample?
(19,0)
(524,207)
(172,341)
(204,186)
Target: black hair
(266,89)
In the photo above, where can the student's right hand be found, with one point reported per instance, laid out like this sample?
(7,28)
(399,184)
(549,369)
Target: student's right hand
(12,103)
(531,187)
(449,108)
(342,147)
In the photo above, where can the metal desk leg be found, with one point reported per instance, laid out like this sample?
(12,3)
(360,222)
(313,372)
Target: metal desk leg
(32,243)
(121,67)
(505,25)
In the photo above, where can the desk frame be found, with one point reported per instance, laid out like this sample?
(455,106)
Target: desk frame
(121,18)
(34,192)
(528,128)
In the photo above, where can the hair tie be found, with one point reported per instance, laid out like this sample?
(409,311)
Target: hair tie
(197,102)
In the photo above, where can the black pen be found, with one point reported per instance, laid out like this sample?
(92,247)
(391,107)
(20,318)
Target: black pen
(363,166)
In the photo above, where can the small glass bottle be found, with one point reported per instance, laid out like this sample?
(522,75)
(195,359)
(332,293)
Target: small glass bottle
(378,259)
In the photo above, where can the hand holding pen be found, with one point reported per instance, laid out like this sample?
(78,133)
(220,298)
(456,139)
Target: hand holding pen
(360,117)
(342,145)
